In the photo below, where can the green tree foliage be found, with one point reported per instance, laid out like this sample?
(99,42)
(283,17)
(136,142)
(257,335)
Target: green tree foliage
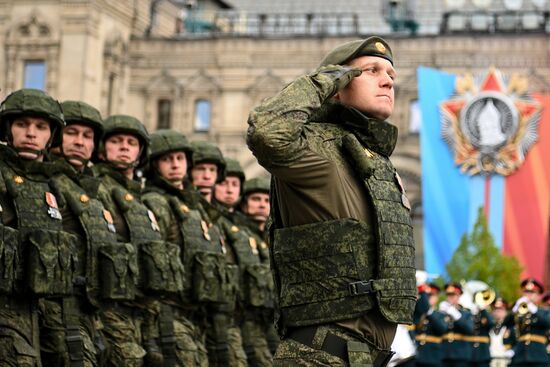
(478,258)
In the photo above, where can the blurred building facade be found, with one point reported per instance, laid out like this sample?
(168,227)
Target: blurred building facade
(200,66)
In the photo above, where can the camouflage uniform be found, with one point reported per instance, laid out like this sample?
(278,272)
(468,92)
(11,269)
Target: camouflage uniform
(70,329)
(181,317)
(255,294)
(35,253)
(341,243)
(264,319)
(225,317)
(131,320)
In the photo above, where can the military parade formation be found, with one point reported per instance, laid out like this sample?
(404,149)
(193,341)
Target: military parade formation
(479,328)
(124,248)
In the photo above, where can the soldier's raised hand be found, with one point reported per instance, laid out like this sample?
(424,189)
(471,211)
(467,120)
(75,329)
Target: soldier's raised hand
(335,77)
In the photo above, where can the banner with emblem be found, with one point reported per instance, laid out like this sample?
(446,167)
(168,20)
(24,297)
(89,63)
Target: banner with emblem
(483,139)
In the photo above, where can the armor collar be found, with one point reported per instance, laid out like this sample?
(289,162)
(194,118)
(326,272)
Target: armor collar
(107,169)
(378,135)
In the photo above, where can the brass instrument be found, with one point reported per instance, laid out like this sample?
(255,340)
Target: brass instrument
(523,308)
(484,298)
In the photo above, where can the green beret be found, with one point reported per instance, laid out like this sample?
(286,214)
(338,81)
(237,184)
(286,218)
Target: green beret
(372,46)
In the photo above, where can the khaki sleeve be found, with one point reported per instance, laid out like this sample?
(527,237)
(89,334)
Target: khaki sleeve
(275,133)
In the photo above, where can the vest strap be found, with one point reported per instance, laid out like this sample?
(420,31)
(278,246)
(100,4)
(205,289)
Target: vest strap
(72,331)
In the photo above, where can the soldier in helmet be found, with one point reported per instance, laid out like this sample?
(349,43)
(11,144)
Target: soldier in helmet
(183,221)
(255,206)
(69,332)
(224,341)
(340,212)
(256,293)
(37,255)
(528,325)
(131,315)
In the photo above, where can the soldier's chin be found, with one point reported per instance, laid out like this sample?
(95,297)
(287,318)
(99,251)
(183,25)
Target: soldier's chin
(259,218)
(29,155)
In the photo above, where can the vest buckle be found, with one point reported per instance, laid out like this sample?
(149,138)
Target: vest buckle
(361,287)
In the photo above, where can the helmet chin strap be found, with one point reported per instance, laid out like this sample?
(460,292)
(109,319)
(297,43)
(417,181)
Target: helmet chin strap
(120,165)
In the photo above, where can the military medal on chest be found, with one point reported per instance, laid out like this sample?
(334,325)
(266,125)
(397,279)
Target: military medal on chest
(153,219)
(53,209)
(253,245)
(109,219)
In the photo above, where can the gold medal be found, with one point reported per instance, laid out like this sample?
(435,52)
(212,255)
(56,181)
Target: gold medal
(128,197)
(84,198)
(184,208)
(18,179)
(205,233)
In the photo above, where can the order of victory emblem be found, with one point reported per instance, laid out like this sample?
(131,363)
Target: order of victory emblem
(490,123)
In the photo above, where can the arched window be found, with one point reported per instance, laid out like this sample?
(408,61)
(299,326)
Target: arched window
(203,115)
(164,114)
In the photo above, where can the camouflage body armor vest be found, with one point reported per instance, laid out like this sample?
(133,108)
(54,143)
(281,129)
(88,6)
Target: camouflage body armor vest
(338,269)
(207,273)
(254,275)
(38,256)
(109,268)
(161,267)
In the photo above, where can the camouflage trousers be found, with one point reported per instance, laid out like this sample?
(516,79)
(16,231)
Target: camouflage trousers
(54,323)
(18,333)
(237,356)
(255,344)
(122,331)
(189,343)
(291,353)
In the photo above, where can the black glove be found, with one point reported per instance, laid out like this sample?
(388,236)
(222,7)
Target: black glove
(332,78)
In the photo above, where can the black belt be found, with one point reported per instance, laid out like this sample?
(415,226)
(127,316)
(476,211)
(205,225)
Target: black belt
(334,345)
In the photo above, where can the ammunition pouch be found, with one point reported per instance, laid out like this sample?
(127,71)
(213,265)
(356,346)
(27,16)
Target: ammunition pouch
(257,290)
(161,267)
(232,285)
(209,277)
(10,267)
(315,266)
(51,262)
(119,271)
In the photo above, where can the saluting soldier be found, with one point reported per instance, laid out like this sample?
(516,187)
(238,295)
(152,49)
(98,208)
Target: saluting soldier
(182,221)
(71,332)
(131,314)
(37,255)
(256,293)
(457,351)
(530,325)
(341,242)
(224,340)
(429,329)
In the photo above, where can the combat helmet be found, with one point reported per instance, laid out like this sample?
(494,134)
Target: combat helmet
(205,152)
(124,124)
(256,184)
(233,168)
(32,102)
(83,113)
(166,141)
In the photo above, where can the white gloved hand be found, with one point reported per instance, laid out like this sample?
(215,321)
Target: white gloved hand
(532,307)
(454,313)
(444,306)
(519,302)
(475,309)
(430,311)
(509,353)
